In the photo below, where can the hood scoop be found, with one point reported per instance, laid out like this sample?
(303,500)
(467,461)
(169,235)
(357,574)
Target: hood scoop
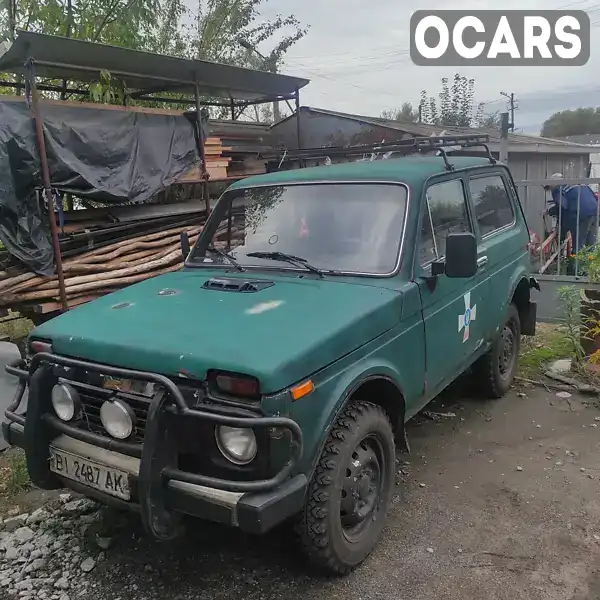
(236,285)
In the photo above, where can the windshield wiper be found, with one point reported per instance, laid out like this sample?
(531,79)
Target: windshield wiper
(227,257)
(290,258)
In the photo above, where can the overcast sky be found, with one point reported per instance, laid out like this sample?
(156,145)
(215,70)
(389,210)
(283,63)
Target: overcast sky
(356,55)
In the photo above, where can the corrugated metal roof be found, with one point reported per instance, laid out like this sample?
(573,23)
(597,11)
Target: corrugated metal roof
(518,142)
(77,60)
(589,139)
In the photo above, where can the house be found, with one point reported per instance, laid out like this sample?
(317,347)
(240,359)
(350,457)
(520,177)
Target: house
(529,157)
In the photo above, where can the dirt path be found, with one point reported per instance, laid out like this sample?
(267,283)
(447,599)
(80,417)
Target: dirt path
(470,525)
(495,531)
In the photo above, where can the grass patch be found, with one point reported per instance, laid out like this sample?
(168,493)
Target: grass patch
(549,344)
(14,477)
(14,482)
(15,328)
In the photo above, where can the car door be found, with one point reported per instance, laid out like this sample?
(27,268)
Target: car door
(502,240)
(453,309)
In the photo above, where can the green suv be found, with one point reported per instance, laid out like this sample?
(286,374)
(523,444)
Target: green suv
(269,381)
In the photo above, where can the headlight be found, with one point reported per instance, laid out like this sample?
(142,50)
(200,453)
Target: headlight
(65,401)
(237,445)
(118,419)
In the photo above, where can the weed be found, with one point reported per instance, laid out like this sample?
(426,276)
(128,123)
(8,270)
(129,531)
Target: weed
(549,344)
(569,297)
(19,480)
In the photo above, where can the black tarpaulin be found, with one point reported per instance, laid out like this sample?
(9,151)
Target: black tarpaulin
(103,154)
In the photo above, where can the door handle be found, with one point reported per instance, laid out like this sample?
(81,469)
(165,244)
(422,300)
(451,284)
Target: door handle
(482,261)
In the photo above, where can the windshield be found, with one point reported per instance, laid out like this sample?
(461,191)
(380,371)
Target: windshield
(353,228)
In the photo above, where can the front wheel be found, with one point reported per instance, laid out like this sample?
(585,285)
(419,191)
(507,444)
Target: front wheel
(496,369)
(351,490)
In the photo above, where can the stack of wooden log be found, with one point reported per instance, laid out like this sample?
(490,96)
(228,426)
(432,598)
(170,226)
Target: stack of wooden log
(98,272)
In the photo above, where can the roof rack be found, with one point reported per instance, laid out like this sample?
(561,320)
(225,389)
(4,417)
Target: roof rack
(409,146)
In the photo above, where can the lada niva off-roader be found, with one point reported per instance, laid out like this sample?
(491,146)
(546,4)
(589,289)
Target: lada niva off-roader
(271,378)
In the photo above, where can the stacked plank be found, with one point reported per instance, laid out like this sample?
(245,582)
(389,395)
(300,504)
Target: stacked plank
(98,272)
(233,151)
(216,163)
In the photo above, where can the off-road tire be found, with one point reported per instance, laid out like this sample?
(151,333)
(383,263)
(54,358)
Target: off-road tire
(487,370)
(322,535)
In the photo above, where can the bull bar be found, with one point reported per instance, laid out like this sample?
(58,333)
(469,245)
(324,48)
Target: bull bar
(156,469)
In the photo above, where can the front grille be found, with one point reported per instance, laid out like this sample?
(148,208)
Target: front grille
(91,404)
(92,397)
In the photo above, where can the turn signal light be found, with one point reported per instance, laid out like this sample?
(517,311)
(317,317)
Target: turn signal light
(236,385)
(302,389)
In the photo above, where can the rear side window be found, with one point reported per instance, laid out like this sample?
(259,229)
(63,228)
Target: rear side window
(445,213)
(493,206)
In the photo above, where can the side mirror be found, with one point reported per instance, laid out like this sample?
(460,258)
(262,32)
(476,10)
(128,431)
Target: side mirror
(185,244)
(461,255)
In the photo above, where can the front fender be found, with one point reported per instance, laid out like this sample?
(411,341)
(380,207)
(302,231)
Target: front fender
(331,397)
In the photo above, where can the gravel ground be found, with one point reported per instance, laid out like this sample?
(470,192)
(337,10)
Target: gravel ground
(498,500)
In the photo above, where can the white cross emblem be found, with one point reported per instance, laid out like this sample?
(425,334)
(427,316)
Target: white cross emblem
(469,315)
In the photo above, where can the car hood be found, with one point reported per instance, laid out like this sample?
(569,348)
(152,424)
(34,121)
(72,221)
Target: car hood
(172,325)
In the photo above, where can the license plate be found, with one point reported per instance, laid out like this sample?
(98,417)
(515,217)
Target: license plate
(105,479)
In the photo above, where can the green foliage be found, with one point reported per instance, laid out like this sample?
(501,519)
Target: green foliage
(549,344)
(19,476)
(569,298)
(121,22)
(588,263)
(572,122)
(455,106)
(406,113)
(490,120)
(107,90)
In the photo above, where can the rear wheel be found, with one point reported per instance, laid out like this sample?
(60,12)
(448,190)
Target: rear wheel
(497,368)
(351,490)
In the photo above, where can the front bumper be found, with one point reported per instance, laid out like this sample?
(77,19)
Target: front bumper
(251,512)
(162,493)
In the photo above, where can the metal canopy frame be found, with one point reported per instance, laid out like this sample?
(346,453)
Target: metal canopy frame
(145,73)
(34,55)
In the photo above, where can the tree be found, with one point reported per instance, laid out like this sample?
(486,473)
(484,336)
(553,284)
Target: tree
(572,122)
(490,120)
(455,106)
(405,113)
(128,23)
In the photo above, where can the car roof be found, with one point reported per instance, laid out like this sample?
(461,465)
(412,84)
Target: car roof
(412,170)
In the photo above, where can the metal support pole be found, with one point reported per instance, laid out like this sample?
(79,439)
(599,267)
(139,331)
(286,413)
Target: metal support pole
(504,138)
(12,18)
(298,133)
(39,131)
(577,245)
(559,234)
(232,106)
(597,224)
(203,170)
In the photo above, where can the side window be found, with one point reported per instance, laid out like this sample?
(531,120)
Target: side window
(445,213)
(493,206)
